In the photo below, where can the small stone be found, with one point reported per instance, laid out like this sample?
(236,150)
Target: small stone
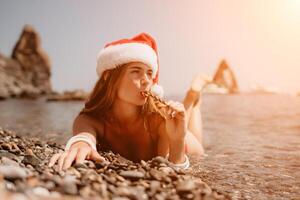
(186,186)
(154,186)
(55,195)
(137,192)
(4,153)
(102,164)
(143,163)
(160,196)
(110,179)
(157,175)
(8,161)
(15,149)
(90,164)
(31,160)
(86,192)
(10,186)
(90,175)
(166,170)
(69,185)
(49,185)
(120,178)
(6,146)
(73,171)
(12,172)
(121,159)
(122,191)
(15,146)
(132,174)
(40,191)
(144,184)
(29,152)
(103,190)
(57,179)
(80,165)
(32,181)
(120,198)
(48,151)
(111,188)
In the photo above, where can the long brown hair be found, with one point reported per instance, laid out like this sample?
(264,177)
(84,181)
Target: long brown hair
(102,97)
(104,93)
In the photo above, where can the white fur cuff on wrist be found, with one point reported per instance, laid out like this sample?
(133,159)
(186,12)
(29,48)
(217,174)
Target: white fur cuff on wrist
(184,165)
(78,138)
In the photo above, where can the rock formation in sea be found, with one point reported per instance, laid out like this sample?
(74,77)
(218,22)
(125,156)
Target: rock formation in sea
(27,73)
(259,89)
(75,95)
(224,81)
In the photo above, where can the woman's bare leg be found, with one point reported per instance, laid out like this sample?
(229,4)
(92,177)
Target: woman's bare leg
(195,122)
(192,103)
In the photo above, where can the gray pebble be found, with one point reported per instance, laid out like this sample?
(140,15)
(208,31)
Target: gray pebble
(31,160)
(69,185)
(8,161)
(186,186)
(12,172)
(40,191)
(132,174)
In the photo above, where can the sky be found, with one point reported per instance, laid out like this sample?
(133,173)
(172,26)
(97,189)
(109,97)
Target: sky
(259,39)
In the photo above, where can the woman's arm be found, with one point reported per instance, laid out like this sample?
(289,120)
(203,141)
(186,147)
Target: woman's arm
(172,132)
(171,147)
(81,146)
(84,129)
(163,141)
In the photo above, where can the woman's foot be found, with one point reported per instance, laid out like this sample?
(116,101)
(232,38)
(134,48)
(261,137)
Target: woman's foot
(199,82)
(197,85)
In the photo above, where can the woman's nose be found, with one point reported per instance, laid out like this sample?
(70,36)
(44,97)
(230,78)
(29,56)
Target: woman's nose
(145,79)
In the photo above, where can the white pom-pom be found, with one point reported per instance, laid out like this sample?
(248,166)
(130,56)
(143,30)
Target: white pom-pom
(157,90)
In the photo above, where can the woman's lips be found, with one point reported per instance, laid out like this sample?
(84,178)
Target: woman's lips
(142,93)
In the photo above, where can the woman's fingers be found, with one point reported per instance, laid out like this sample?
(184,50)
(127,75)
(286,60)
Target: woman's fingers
(81,155)
(176,105)
(54,159)
(70,158)
(96,156)
(66,158)
(61,159)
(174,108)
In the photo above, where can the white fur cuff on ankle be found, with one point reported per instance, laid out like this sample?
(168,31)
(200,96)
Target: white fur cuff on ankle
(184,165)
(78,138)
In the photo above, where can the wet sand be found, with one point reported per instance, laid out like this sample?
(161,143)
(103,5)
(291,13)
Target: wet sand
(252,141)
(253,146)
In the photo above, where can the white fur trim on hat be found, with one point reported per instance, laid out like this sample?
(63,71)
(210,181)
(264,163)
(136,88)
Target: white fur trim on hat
(157,90)
(112,56)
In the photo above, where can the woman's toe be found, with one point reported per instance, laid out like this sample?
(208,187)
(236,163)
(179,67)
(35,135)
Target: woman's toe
(199,82)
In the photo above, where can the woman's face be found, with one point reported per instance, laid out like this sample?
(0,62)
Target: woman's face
(137,78)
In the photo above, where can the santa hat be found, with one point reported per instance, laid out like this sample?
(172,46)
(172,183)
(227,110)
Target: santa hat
(140,48)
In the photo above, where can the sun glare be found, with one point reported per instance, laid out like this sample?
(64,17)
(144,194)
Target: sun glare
(293,9)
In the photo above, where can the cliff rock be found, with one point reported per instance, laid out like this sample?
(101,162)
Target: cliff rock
(27,73)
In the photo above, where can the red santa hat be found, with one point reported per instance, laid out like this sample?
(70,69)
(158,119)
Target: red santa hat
(140,48)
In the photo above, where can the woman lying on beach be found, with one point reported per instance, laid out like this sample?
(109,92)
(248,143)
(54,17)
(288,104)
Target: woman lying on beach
(124,114)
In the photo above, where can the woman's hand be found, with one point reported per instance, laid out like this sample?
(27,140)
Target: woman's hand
(176,125)
(78,152)
(176,129)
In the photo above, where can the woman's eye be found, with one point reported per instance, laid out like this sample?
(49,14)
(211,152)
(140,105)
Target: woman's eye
(135,71)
